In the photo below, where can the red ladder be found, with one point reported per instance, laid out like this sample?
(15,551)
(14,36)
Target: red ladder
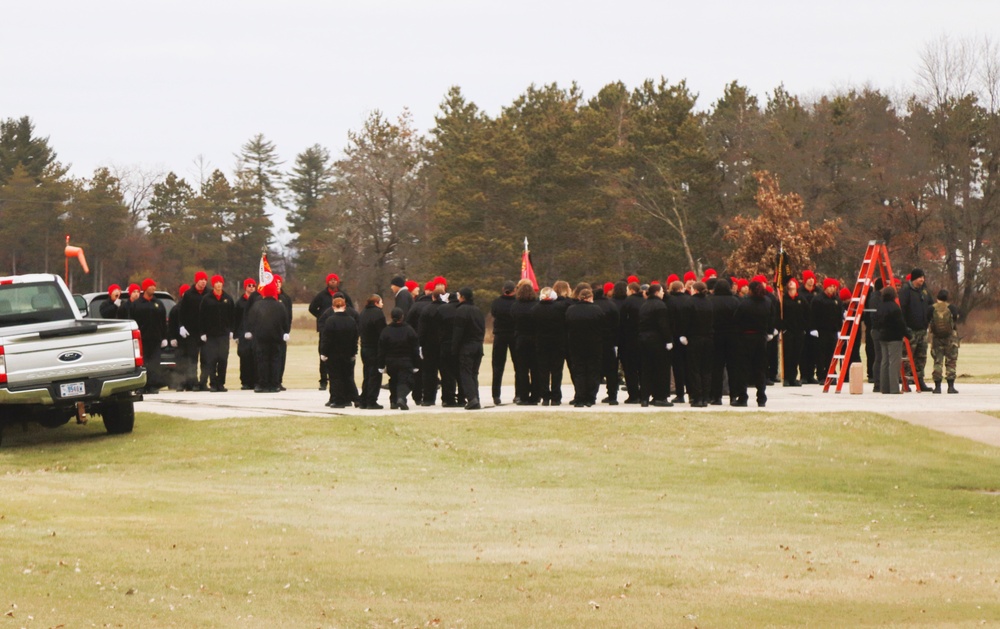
(876,256)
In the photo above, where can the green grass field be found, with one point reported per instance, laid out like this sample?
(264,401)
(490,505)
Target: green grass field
(501,520)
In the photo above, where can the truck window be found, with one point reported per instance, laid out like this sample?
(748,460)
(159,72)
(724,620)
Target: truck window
(32,303)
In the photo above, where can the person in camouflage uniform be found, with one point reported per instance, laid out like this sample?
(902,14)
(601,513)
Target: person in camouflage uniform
(944,342)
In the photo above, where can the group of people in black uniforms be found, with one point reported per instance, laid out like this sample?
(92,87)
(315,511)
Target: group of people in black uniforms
(200,327)
(431,343)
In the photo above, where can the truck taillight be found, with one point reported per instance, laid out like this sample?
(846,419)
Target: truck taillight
(3,367)
(137,347)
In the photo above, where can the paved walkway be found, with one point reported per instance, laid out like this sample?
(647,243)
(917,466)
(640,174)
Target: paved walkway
(953,414)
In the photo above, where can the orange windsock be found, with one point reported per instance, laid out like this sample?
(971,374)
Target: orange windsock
(77,252)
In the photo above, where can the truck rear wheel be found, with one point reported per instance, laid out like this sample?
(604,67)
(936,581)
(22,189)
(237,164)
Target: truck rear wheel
(119,417)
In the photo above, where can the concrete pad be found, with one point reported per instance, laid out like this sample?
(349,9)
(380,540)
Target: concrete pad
(954,414)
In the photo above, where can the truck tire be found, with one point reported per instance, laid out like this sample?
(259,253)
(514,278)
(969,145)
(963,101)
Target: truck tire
(119,417)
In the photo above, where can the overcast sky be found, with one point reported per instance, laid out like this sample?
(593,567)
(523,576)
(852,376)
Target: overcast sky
(157,84)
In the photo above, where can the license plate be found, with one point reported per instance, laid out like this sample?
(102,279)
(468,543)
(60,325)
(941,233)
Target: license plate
(72,389)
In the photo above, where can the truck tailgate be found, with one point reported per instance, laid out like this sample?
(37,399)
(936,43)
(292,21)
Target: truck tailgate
(86,351)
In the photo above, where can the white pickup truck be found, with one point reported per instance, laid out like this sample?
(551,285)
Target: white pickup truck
(55,365)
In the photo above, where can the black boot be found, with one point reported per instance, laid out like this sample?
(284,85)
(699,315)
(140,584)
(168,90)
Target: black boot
(951,386)
(937,386)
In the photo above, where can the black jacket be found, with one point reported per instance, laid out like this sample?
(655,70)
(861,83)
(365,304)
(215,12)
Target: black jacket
(794,314)
(323,301)
(419,307)
(628,320)
(550,326)
(611,320)
(216,314)
(702,316)
(190,313)
(889,319)
(724,304)
(654,323)
(243,305)
(503,321)
(339,339)
(827,315)
(524,321)
(916,304)
(468,329)
(398,346)
(753,316)
(151,317)
(267,321)
(371,324)
(585,327)
(679,307)
(404,301)
(108,309)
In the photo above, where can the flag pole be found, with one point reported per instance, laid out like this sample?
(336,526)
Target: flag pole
(781,310)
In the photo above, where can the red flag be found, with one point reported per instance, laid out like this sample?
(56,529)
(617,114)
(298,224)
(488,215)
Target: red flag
(527,272)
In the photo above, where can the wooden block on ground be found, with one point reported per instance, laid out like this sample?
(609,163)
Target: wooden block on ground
(857,373)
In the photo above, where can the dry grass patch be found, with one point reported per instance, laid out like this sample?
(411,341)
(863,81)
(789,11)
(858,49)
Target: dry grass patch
(500,520)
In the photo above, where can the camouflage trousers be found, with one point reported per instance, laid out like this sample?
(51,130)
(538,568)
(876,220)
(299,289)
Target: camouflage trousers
(918,345)
(944,351)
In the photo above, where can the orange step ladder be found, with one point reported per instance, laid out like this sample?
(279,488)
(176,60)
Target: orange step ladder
(876,256)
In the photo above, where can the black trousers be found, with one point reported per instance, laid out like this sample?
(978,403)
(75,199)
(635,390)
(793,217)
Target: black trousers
(324,376)
(791,350)
(724,350)
(699,368)
(825,345)
(631,367)
(678,365)
(248,363)
(503,344)
(268,364)
(772,358)
(470,358)
(609,369)
(448,366)
(188,352)
(429,374)
(751,367)
(282,356)
(151,358)
(371,382)
(400,380)
(526,386)
(586,369)
(343,391)
(807,366)
(548,376)
(655,379)
(215,361)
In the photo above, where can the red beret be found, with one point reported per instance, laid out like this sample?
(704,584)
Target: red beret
(113,288)
(333,277)
(133,287)
(690,277)
(146,283)
(200,275)
(672,278)
(808,275)
(249,282)
(632,278)
(828,282)
(793,282)
(183,289)
(655,283)
(278,278)
(769,288)
(440,280)
(845,294)
(710,273)
(609,287)
(742,282)
(269,290)
(410,285)
(760,278)
(429,286)
(216,279)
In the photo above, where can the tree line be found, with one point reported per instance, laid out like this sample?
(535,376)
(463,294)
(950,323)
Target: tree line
(630,180)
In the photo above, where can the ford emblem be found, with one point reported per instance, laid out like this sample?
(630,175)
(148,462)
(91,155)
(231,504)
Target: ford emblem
(68,357)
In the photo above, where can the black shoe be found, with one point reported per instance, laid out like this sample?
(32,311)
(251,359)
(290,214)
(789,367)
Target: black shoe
(517,400)
(246,387)
(393,406)
(761,404)
(338,405)
(322,386)
(716,402)
(579,405)
(403,407)
(662,403)
(258,389)
(221,389)
(678,399)
(631,400)
(738,403)
(606,400)
(810,381)
(937,386)
(951,386)
(151,390)
(644,403)
(612,402)
(473,405)
(555,403)
(546,402)
(451,404)
(281,388)
(496,401)
(425,403)
(375,407)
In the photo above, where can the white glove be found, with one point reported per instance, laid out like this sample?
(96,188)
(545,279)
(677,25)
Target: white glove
(382,370)
(416,369)
(774,332)
(420,352)
(284,337)
(163,343)
(683,340)
(322,357)
(204,338)
(118,302)
(248,335)
(814,333)
(173,342)
(770,337)
(670,346)
(232,336)
(614,350)
(184,332)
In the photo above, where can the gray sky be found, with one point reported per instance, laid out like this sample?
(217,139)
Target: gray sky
(156,84)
